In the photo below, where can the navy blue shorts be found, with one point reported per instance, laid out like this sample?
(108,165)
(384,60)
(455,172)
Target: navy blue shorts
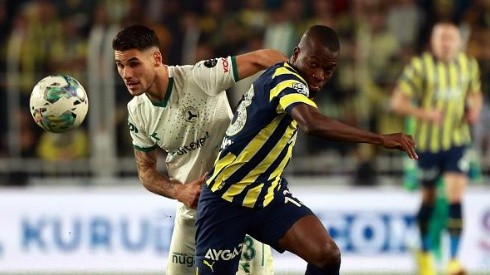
(433,165)
(221,227)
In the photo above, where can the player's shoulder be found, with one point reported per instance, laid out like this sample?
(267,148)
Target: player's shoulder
(179,72)
(137,102)
(466,57)
(284,72)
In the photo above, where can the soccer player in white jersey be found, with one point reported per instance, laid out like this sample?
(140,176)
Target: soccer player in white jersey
(184,111)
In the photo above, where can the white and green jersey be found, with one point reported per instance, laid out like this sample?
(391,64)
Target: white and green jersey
(190,122)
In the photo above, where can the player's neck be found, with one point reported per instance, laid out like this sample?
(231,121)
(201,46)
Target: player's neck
(159,88)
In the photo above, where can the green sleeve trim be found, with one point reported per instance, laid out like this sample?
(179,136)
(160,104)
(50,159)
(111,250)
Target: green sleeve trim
(145,149)
(235,69)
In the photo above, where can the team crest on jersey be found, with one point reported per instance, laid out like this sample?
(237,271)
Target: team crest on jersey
(211,62)
(301,88)
(190,114)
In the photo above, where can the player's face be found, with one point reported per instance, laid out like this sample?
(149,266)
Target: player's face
(445,41)
(316,65)
(137,69)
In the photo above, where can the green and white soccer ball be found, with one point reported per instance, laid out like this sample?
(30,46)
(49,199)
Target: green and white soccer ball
(58,103)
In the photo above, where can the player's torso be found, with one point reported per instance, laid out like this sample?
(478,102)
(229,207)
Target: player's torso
(445,88)
(189,126)
(257,147)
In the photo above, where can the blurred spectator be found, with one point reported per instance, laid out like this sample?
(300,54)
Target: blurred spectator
(171,16)
(102,86)
(281,32)
(69,53)
(405,18)
(253,15)
(379,66)
(36,29)
(477,20)
(28,139)
(71,145)
(41,37)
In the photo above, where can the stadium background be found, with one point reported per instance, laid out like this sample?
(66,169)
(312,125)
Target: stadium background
(73,203)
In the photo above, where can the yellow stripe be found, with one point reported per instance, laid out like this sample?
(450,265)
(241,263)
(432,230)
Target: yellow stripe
(449,125)
(234,190)
(220,164)
(287,100)
(417,65)
(458,137)
(281,86)
(475,83)
(270,192)
(252,195)
(267,161)
(282,70)
(247,153)
(439,105)
(426,103)
(412,75)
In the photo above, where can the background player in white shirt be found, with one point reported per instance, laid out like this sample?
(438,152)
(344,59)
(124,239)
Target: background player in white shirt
(183,110)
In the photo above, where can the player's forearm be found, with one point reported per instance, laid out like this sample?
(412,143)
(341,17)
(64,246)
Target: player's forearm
(402,105)
(411,110)
(334,130)
(268,57)
(158,183)
(475,101)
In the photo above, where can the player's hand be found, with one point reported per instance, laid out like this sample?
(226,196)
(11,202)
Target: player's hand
(471,116)
(401,142)
(189,192)
(435,116)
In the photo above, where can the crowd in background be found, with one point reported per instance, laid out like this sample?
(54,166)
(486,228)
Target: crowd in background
(378,37)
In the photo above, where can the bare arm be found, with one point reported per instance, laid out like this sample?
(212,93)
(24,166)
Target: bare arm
(401,104)
(250,63)
(160,184)
(311,121)
(474,104)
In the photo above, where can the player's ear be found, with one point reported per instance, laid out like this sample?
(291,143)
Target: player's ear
(296,51)
(157,57)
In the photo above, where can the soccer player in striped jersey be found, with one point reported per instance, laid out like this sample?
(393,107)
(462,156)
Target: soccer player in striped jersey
(441,89)
(184,111)
(245,192)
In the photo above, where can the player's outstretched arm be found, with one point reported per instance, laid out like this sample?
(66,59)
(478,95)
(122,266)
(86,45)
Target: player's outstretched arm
(402,105)
(250,63)
(474,102)
(160,184)
(312,122)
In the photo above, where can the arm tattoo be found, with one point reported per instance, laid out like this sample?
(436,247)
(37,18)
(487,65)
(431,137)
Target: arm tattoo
(152,180)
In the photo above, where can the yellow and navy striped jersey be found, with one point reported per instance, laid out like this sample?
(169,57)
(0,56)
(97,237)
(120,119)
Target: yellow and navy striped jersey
(433,84)
(258,143)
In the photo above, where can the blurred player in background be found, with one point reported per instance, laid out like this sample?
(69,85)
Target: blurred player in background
(441,90)
(245,192)
(183,110)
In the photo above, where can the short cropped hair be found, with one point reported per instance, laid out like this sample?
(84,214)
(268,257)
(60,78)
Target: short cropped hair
(135,37)
(325,36)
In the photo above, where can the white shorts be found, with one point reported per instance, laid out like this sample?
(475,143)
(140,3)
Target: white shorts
(256,257)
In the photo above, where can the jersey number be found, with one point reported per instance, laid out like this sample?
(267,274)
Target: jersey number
(241,114)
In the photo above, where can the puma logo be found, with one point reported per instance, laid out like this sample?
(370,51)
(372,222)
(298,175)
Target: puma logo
(208,264)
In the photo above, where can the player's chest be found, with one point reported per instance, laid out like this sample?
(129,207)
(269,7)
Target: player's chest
(184,124)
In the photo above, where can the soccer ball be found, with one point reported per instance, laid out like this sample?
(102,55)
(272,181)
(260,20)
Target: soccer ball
(58,103)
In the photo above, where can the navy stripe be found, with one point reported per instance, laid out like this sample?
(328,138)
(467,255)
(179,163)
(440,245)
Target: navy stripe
(263,151)
(263,178)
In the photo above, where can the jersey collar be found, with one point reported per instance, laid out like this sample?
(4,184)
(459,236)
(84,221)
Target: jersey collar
(164,102)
